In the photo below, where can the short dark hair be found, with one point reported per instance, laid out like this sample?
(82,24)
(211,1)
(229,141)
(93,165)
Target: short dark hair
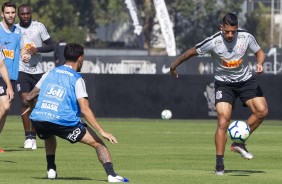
(23,5)
(8,4)
(230,19)
(73,51)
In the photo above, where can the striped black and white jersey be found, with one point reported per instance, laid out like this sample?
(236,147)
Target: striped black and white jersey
(229,58)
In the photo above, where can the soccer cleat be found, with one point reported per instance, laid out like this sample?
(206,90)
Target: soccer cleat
(2,151)
(117,179)
(241,149)
(28,144)
(33,144)
(219,169)
(51,174)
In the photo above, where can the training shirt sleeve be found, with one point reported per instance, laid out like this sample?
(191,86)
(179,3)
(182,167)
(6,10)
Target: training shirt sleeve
(43,32)
(39,83)
(22,45)
(80,89)
(253,44)
(204,46)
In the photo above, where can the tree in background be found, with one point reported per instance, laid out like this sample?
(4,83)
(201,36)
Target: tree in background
(61,18)
(77,20)
(258,24)
(196,20)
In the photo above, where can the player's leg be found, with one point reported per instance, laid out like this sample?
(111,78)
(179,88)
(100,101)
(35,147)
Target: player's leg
(251,95)
(25,84)
(45,130)
(4,110)
(91,138)
(258,106)
(50,148)
(29,137)
(224,110)
(5,104)
(224,100)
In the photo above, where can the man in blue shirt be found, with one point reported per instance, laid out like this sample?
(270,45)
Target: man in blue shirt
(12,49)
(62,97)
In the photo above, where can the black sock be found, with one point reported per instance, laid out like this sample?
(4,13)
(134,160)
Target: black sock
(219,159)
(109,169)
(27,135)
(33,135)
(51,162)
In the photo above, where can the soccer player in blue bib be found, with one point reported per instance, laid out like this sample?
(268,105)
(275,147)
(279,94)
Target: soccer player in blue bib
(62,98)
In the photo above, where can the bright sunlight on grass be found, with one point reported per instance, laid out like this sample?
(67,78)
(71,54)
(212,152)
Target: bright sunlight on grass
(148,152)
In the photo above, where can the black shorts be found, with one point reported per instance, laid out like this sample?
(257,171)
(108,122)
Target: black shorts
(3,86)
(26,82)
(228,92)
(45,129)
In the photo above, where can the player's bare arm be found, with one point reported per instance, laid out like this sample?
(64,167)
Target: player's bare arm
(6,78)
(185,56)
(31,98)
(90,118)
(260,55)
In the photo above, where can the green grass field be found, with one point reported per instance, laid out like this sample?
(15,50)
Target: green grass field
(148,152)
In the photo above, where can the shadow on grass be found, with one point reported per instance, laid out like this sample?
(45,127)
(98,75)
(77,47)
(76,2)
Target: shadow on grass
(242,172)
(38,147)
(21,149)
(69,178)
(13,150)
(8,161)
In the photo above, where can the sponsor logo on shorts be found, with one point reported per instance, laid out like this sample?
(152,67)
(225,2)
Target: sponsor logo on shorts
(2,90)
(18,87)
(73,136)
(218,95)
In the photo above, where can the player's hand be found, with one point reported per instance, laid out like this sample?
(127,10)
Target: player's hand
(10,94)
(259,68)
(173,72)
(32,50)
(26,57)
(109,137)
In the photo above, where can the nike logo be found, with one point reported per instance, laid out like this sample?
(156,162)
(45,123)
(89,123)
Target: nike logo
(6,43)
(165,69)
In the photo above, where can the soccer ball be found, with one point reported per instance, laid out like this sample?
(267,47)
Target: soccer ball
(238,131)
(166,114)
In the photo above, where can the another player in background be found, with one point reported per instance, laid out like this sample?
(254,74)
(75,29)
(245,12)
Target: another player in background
(10,42)
(36,40)
(233,79)
(62,98)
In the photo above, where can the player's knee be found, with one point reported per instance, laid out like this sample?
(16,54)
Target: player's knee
(24,104)
(264,112)
(5,107)
(261,112)
(222,123)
